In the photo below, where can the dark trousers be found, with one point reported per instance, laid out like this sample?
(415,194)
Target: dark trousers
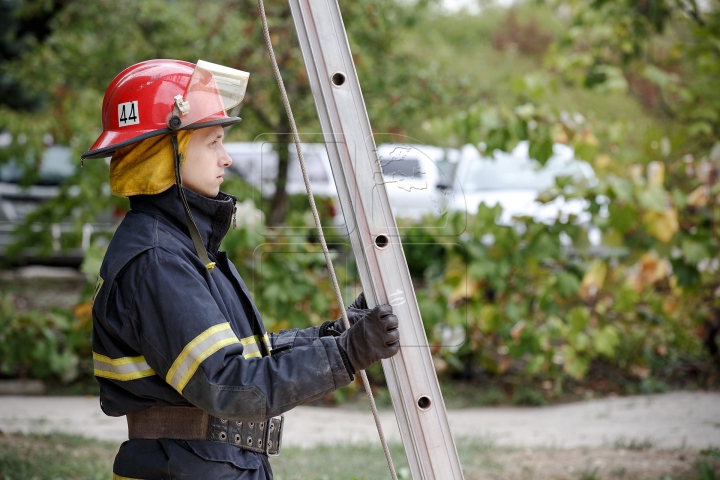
(165,459)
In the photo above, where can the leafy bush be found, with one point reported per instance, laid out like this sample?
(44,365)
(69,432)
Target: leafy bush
(285,269)
(644,301)
(517,300)
(44,345)
(501,300)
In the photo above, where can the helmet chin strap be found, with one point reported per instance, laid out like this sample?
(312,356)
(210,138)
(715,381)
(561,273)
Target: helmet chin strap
(192,226)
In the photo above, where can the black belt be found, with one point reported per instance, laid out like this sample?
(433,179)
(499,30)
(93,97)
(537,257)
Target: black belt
(190,423)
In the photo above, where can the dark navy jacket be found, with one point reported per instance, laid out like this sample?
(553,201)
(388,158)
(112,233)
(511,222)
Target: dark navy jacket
(166,331)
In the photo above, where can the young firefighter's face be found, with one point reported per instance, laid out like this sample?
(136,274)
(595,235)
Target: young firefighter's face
(206,161)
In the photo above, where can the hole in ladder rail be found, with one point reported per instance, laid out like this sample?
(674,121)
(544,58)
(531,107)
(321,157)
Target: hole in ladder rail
(382,241)
(424,402)
(338,79)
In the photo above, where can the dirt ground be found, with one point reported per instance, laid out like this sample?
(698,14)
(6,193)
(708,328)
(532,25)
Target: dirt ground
(677,420)
(652,437)
(589,464)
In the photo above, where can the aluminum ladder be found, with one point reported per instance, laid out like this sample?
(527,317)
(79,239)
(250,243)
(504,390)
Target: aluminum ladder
(410,375)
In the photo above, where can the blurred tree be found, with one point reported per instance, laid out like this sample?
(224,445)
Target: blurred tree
(373,29)
(644,303)
(89,42)
(656,279)
(663,52)
(668,53)
(23,27)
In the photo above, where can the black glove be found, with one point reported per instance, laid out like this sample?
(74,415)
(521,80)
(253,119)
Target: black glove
(356,310)
(359,303)
(374,337)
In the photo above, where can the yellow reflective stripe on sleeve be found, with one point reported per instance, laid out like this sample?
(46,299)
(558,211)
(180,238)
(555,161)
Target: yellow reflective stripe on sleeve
(98,286)
(266,339)
(201,347)
(123,369)
(251,348)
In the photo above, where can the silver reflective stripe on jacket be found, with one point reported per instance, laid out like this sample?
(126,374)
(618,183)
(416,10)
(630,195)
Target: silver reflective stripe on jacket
(123,369)
(201,347)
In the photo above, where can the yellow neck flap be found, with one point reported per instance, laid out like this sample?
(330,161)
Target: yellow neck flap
(147,167)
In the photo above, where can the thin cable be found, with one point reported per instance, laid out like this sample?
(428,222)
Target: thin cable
(321,236)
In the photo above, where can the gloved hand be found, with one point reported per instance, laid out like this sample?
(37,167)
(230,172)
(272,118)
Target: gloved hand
(374,337)
(359,303)
(357,309)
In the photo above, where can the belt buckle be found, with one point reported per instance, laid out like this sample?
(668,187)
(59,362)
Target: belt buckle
(275,424)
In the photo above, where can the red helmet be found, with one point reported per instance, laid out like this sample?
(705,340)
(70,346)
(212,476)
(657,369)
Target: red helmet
(157,97)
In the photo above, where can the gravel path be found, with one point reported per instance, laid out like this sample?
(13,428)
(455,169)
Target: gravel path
(672,420)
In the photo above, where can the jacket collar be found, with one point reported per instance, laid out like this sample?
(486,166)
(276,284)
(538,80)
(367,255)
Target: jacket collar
(212,215)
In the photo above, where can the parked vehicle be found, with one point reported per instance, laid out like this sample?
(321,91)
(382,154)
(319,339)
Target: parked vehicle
(514,180)
(416,178)
(415,183)
(17,201)
(257,163)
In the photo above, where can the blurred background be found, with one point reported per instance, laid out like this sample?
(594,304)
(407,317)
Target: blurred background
(553,167)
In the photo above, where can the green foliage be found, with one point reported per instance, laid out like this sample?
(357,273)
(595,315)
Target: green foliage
(89,42)
(649,296)
(287,275)
(529,397)
(53,456)
(632,87)
(535,308)
(590,474)
(633,444)
(712,452)
(707,472)
(44,345)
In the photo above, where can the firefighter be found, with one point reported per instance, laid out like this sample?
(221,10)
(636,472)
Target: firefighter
(179,347)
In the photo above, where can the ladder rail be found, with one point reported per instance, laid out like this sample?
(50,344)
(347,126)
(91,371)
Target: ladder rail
(410,375)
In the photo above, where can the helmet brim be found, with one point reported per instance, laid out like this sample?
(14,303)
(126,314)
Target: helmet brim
(106,144)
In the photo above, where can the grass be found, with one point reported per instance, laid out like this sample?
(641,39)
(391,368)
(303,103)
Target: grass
(602,381)
(345,461)
(53,457)
(528,397)
(711,452)
(469,394)
(59,456)
(706,472)
(337,462)
(590,474)
(633,444)
(456,394)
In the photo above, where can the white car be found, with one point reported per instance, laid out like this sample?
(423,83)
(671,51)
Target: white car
(257,163)
(514,181)
(415,180)
(414,183)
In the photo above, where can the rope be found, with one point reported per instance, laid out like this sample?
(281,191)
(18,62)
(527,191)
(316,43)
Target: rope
(321,236)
